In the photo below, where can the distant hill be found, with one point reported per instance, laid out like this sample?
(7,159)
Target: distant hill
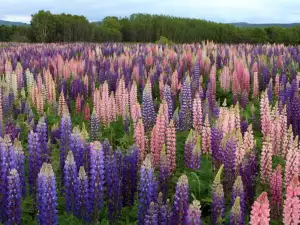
(264,25)
(10,23)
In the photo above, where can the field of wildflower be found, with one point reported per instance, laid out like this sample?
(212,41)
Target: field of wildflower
(149,134)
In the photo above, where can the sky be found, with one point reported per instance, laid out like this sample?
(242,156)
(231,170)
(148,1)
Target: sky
(224,11)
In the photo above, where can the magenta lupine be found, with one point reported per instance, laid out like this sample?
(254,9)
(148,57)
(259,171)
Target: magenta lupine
(236,213)
(188,149)
(147,189)
(181,200)
(292,162)
(70,175)
(266,161)
(171,146)
(260,213)
(291,210)
(96,178)
(276,192)
(194,214)
(197,114)
(218,202)
(185,113)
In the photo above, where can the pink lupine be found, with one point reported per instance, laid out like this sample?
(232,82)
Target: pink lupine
(78,104)
(292,162)
(86,83)
(166,112)
(265,114)
(112,114)
(161,86)
(255,85)
(61,103)
(288,141)
(249,138)
(103,103)
(197,114)
(260,213)
(212,78)
(171,146)
(87,112)
(277,135)
(237,117)
(277,83)
(174,85)
(153,144)
(240,149)
(136,113)
(139,138)
(121,97)
(291,210)
(276,192)
(266,160)
(225,79)
(160,134)
(132,97)
(206,136)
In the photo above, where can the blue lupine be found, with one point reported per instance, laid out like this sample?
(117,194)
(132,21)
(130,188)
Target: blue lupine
(96,185)
(151,218)
(46,196)
(70,172)
(94,127)
(35,159)
(114,184)
(130,170)
(238,191)
(148,112)
(147,189)
(13,205)
(20,164)
(185,113)
(181,201)
(65,135)
(77,147)
(218,201)
(168,98)
(236,217)
(194,214)
(82,203)
(163,175)
(42,130)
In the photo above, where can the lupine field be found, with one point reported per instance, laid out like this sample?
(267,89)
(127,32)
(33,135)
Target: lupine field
(149,134)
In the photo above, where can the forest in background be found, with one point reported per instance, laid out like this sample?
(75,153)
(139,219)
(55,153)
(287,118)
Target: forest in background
(48,27)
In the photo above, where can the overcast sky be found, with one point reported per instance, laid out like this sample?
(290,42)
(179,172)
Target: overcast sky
(251,11)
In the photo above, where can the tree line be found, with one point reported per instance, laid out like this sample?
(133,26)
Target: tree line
(48,27)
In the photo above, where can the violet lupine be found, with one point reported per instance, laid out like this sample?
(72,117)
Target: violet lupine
(148,112)
(181,201)
(46,196)
(236,217)
(188,149)
(260,213)
(20,164)
(171,146)
(13,204)
(147,189)
(168,98)
(185,113)
(42,130)
(194,214)
(197,114)
(266,160)
(65,134)
(276,192)
(218,201)
(163,172)
(230,153)
(216,150)
(96,182)
(70,175)
(113,170)
(77,147)
(196,154)
(94,126)
(164,210)
(82,203)
(238,192)
(151,217)
(291,210)
(292,162)
(35,159)
(130,170)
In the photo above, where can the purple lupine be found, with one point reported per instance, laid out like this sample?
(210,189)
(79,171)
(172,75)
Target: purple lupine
(82,203)
(46,196)
(65,134)
(70,172)
(13,204)
(6,107)
(168,98)
(194,214)
(20,164)
(130,170)
(164,210)
(185,113)
(94,134)
(244,126)
(196,154)
(148,112)
(35,159)
(11,131)
(218,201)
(238,191)
(176,119)
(248,172)
(188,149)
(230,162)
(163,175)
(181,201)
(55,134)
(113,170)
(236,217)
(217,152)
(77,146)
(42,131)
(244,99)
(147,189)
(151,217)
(96,185)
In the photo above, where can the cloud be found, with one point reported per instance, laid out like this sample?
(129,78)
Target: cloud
(254,11)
